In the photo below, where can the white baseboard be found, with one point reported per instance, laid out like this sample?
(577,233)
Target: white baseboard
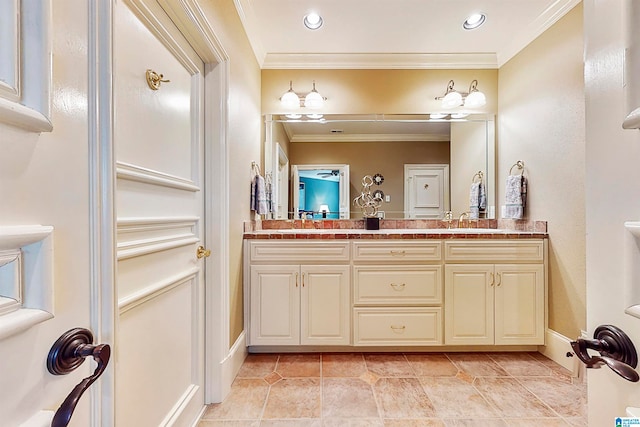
(557,348)
(231,365)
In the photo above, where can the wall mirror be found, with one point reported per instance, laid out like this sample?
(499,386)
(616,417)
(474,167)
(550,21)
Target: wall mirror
(381,144)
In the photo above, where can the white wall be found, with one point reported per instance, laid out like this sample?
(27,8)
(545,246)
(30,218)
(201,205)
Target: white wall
(541,122)
(612,197)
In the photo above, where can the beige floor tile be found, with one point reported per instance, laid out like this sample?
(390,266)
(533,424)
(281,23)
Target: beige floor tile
(536,422)
(477,364)
(352,422)
(485,422)
(568,400)
(389,365)
(299,365)
(455,398)
(343,365)
(244,402)
(520,364)
(294,398)
(432,365)
(258,366)
(348,397)
(402,398)
(425,422)
(292,423)
(511,398)
(228,423)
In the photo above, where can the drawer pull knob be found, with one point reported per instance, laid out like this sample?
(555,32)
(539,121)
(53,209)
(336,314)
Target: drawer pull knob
(398,329)
(397,253)
(397,286)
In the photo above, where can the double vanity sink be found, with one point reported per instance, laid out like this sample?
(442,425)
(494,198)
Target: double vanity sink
(417,285)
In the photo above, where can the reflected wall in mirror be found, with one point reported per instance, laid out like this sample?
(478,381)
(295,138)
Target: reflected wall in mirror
(383,144)
(320,191)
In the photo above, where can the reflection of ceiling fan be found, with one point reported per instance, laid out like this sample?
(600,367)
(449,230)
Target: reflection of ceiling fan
(327,174)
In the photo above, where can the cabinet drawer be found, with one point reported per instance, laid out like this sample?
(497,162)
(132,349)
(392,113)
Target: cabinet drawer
(397,284)
(397,326)
(495,251)
(284,251)
(423,250)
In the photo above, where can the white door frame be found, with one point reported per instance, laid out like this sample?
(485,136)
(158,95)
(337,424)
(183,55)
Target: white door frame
(191,21)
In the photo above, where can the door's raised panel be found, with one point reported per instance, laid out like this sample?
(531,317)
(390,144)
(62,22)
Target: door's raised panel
(397,251)
(526,250)
(468,304)
(275,305)
(151,337)
(325,305)
(519,304)
(397,326)
(320,252)
(397,285)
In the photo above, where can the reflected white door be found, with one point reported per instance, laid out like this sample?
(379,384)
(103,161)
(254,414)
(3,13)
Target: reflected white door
(426,191)
(159,203)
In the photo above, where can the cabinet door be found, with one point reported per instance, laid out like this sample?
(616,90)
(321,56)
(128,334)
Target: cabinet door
(325,305)
(519,304)
(468,300)
(275,305)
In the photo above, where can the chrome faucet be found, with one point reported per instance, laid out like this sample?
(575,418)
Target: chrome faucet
(448,218)
(462,217)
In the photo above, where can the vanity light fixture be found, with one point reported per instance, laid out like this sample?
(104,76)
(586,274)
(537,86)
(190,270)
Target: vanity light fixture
(472,99)
(474,21)
(292,100)
(312,21)
(323,209)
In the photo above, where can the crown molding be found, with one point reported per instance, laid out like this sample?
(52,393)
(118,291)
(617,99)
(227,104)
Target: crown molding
(380,61)
(528,34)
(250,24)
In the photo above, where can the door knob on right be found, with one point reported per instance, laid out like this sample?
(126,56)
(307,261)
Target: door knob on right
(615,348)
(201,252)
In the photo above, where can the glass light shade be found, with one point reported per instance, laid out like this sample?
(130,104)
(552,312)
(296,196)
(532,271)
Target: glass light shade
(293,116)
(475,99)
(313,100)
(290,99)
(437,116)
(452,100)
(323,208)
(315,116)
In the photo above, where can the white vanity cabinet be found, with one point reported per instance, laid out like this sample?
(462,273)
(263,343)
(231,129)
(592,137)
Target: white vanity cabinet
(299,293)
(397,292)
(495,292)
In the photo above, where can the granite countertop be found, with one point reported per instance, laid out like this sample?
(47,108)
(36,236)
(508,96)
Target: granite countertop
(394,229)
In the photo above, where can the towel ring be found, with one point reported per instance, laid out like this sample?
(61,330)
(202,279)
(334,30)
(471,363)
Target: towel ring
(520,165)
(479,175)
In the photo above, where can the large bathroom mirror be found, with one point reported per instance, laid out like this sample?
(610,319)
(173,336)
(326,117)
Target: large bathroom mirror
(382,145)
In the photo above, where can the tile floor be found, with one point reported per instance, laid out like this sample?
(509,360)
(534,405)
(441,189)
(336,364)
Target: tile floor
(401,389)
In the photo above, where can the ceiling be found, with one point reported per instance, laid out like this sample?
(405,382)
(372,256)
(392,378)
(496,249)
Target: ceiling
(379,34)
(367,128)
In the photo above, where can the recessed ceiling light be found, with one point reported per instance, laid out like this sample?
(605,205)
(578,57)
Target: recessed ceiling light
(312,21)
(474,21)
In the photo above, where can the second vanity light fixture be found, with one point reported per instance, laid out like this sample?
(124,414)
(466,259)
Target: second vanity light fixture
(472,99)
(291,99)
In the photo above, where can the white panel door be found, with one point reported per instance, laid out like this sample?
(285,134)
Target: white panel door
(159,205)
(426,191)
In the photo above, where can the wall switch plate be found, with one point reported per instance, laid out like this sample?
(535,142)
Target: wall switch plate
(387,198)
